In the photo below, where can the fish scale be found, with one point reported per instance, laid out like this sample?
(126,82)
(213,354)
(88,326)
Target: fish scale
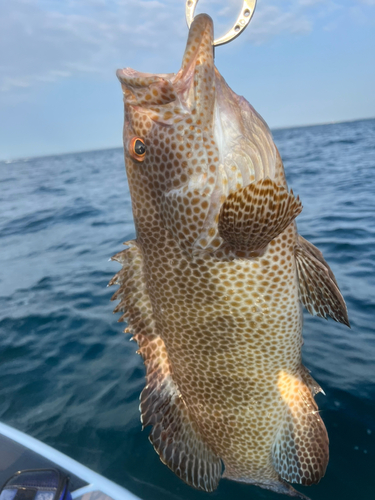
(212,287)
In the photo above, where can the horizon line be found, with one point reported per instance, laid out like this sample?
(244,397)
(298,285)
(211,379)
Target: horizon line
(289,127)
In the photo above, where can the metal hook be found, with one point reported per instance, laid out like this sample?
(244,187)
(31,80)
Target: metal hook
(243,20)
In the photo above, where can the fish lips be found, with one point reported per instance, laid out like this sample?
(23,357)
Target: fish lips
(192,88)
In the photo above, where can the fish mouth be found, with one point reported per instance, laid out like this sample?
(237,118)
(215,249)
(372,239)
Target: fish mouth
(246,150)
(199,46)
(193,87)
(195,82)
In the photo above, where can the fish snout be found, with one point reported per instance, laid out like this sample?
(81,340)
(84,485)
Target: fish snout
(196,78)
(199,47)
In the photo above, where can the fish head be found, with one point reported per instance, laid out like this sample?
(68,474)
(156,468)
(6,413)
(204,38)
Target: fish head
(189,141)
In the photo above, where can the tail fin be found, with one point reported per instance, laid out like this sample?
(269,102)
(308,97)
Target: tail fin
(278,486)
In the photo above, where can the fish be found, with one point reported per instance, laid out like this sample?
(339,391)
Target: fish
(213,285)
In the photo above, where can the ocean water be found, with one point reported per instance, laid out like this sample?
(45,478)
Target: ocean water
(69,377)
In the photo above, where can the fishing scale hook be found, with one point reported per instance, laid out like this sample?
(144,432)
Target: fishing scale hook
(247,11)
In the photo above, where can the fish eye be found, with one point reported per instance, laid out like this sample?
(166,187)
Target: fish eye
(138,148)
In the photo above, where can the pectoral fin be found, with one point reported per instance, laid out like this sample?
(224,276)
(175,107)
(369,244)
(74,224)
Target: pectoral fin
(254,215)
(318,288)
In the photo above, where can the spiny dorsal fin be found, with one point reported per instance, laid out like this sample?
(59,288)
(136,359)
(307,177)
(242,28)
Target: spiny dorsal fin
(134,300)
(174,434)
(253,216)
(318,288)
(300,451)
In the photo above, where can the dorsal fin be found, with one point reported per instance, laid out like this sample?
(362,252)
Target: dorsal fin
(318,288)
(175,435)
(134,300)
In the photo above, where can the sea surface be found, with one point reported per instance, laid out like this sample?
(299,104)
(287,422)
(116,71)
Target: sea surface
(71,378)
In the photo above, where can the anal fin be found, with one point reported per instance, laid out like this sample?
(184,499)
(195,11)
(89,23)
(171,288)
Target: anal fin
(318,288)
(300,451)
(253,216)
(310,382)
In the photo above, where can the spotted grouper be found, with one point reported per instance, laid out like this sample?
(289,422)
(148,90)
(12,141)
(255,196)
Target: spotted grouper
(213,285)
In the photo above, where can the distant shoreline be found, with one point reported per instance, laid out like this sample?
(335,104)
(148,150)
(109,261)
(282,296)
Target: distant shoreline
(26,158)
(290,127)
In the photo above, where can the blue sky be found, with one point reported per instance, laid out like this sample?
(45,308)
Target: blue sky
(299,62)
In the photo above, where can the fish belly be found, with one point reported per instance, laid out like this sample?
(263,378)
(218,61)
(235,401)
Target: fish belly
(232,332)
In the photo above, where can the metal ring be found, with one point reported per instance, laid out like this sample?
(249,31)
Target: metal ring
(243,20)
